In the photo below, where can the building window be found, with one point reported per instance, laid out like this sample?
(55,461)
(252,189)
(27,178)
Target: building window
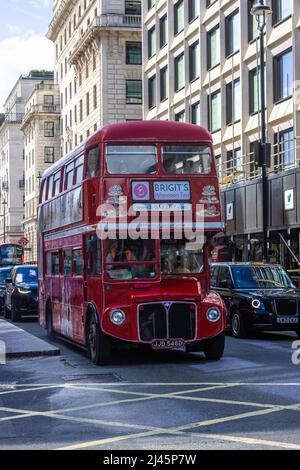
(232,39)
(95,96)
(213,48)
(133,53)
(49,129)
(133,7)
(87,99)
(219,166)
(253,168)
(214,111)
(164,83)
(282,9)
(254,91)
(49,154)
(252,23)
(283,76)
(180,117)
(284,149)
(194,58)
(151,4)
(234,162)
(151,42)
(152,92)
(193,9)
(48,100)
(80,111)
(134,92)
(178,17)
(179,72)
(195,113)
(163,31)
(209,3)
(233,102)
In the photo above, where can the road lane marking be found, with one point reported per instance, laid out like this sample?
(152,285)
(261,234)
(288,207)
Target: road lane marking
(249,440)
(43,387)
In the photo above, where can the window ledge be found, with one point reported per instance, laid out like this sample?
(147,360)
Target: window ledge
(282,100)
(279,22)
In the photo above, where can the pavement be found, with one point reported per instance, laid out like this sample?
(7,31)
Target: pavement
(19,343)
(154,400)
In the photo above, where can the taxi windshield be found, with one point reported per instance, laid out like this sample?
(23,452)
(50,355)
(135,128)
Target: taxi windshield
(187,159)
(130,259)
(131,159)
(260,277)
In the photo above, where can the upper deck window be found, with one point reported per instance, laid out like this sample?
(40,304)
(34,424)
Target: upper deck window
(50,186)
(69,173)
(78,169)
(185,159)
(56,183)
(92,166)
(131,159)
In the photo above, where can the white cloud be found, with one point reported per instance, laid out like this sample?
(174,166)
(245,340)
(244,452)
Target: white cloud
(20,53)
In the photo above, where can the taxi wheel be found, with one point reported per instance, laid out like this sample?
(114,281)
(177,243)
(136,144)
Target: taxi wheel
(99,345)
(15,316)
(238,325)
(214,349)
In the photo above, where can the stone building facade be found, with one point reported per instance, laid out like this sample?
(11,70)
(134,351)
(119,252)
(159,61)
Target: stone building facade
(12,158)
(98,64)
(41,129)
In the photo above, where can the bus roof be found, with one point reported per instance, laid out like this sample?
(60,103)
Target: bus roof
(138,131)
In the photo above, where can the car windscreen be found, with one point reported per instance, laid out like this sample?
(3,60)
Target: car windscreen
(26,276)
(260,277)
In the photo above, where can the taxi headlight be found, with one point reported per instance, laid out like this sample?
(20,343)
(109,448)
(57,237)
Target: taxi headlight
(117,317)
(257,304)
(213,314)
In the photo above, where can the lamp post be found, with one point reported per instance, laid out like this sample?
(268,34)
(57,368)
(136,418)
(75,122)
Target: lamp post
(260,11)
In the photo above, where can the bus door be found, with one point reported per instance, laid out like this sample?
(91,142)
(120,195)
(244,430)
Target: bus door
(93,271)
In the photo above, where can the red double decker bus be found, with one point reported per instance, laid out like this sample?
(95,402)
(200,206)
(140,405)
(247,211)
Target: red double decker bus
(115,263)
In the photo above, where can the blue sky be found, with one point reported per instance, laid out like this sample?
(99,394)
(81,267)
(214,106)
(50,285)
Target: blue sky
(23,45)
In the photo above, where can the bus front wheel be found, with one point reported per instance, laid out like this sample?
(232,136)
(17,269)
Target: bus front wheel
(98,344)
(214,349)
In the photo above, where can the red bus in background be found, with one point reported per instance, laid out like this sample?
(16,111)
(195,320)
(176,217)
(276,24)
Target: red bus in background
(11,254)
(147,291)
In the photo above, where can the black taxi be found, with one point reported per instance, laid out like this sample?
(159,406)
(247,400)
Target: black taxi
(257,297)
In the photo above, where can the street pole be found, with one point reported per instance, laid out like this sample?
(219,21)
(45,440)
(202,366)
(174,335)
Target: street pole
(265,192)
(260,10)
(4,204)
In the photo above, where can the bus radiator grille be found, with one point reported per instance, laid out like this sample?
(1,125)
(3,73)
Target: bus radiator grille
(167,320)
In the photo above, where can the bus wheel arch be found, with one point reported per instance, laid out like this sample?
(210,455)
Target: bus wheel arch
(99,345)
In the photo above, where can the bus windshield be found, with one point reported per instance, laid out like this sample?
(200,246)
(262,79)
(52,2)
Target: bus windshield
(130,259)
(187,159)
(131,159)
(180,257)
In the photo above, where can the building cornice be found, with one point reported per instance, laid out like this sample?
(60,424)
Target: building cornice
(102,25)
(64,10)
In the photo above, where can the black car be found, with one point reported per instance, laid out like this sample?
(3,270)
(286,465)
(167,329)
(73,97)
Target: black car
(4,273)
(21,294)
(257,297)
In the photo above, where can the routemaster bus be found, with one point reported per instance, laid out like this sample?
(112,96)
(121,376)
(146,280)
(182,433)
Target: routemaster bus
(11,254)
(113,265)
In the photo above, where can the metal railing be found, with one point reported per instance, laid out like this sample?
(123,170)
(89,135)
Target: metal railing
(241,167)
(43,108)
(13,118)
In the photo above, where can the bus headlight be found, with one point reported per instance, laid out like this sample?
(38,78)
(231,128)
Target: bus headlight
(213,314)
(117,317)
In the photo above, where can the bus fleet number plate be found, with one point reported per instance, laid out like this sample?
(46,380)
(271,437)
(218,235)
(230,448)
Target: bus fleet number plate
(168,344)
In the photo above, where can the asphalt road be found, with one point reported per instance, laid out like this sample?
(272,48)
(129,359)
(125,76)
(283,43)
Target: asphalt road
(145,400)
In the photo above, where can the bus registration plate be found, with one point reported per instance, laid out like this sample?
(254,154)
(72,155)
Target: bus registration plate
(168,344)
